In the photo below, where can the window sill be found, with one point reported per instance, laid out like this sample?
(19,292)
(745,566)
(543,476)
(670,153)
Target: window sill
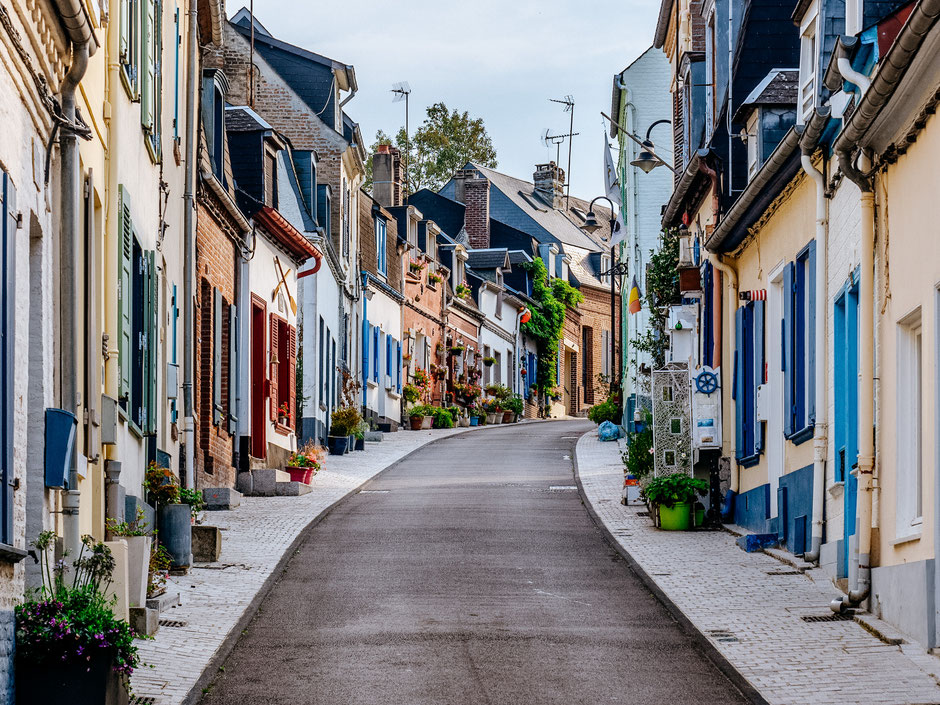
(393,394)
(372,384)
(905,539)
(750,461)
(322,406)
(837,488)
(282,429)
(802,435)
(11,554)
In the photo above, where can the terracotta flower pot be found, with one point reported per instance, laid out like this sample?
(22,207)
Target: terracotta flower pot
(416,422)
(508,416)
(304,475)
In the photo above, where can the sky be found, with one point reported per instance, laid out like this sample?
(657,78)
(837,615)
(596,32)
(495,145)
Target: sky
(501,60)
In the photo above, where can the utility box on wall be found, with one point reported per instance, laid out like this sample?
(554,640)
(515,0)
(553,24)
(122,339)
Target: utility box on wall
(706,408)
(60,445)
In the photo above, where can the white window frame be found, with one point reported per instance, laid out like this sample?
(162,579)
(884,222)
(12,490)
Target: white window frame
(910,425)
(853,16)
(381,247)
(753,144)
(605,266)
(711,67)
(809,59)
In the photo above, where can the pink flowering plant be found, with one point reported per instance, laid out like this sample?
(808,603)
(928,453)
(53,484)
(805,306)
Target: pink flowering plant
(69,620)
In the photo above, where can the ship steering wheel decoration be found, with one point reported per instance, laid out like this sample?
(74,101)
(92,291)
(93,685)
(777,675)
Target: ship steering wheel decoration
(706,382)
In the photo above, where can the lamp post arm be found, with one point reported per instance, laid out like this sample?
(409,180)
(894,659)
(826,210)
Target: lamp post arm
(644,144)
(650,128)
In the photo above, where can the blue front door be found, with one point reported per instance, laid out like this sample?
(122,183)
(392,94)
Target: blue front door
(846,408)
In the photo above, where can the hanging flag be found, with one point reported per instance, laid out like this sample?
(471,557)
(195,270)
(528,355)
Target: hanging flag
(620,231)
(611,180)
(633,302)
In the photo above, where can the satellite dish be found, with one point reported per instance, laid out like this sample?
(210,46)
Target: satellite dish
(545,134)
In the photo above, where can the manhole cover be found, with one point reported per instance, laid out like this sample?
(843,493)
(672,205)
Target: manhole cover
(813,618)
(143,700)
(784,572)
(642,514)
(563,488)
(722,635)
(172,623)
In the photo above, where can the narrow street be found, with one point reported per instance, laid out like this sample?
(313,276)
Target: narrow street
(470,572)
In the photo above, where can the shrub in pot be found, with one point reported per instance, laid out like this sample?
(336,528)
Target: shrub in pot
(305,462)
(343,423)
(416,417)
(70,648)
(606,411)
(673,496)
(174,519)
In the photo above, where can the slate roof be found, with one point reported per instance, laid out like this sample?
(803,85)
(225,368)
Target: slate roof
(521,208)
(493,258)
(241,118)
(447,213)
(519,257)
(778,87)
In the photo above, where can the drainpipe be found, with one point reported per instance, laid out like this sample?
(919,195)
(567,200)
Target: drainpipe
(70,232)
(820,442)
(853,76)
(866,372)
(732,276)
(189,239)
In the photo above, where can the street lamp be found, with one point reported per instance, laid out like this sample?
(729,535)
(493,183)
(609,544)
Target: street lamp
(590,225)
(647,159)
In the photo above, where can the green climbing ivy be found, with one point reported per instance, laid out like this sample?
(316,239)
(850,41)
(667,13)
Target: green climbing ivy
(662,291)
(548,320)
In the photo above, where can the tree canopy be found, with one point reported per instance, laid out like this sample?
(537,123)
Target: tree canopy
(441,145)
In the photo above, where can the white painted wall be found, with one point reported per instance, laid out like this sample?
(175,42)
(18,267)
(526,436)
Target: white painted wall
(382,398)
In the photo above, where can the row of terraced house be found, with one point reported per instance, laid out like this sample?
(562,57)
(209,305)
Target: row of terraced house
(806,342)
(193,275)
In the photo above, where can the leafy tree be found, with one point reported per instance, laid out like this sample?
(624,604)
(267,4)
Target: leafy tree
(444,142)
(662,291)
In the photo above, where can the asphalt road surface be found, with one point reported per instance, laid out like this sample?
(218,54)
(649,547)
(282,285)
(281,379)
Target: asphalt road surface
(461,577)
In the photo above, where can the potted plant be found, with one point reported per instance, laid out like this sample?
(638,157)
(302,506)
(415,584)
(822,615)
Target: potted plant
(514,405)
(195,501)
(673,496)
(489,361)
(456,350)
(70,648)
(360,435)
(411,393)
(174,519)
(416,417)
(159,570)
(434,278)
(283,414)
(139,539)
(415,267)
(342,424)
(305,462)
(462,291)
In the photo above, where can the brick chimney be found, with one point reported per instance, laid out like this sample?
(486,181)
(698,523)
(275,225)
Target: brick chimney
(387,175)
(550,184)
(476,218)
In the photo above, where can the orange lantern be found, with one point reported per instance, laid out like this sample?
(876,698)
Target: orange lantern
(526,316)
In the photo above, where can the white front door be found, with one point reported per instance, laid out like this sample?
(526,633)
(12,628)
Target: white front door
(775,380)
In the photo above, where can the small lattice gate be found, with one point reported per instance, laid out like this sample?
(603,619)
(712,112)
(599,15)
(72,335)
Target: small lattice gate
(672,419)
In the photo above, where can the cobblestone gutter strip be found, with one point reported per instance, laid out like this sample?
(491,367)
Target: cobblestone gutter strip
(259,538)
(747,610)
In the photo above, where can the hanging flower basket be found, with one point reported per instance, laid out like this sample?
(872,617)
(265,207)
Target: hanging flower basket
(489,361)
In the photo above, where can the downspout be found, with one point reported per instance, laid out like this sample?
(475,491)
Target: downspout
(853,76)
(820,441)
(70,232)
(189,239)
(808,143)
(732,276)
(866,376)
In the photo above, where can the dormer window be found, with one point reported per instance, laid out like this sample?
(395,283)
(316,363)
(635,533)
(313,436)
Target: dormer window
(808,60)
(605,267)
(324,207)
(214,88)
(381,246)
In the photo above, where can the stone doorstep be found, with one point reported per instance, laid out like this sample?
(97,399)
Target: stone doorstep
(207,543)
(262,482)
(373,436)
(291,489)
(163,602)
(144,620)
(221,498)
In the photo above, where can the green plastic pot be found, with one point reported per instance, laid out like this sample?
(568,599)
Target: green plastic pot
(674,518)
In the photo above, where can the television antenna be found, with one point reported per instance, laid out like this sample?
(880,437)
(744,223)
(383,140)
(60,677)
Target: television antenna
(549,139)
(568,102)
(401,92)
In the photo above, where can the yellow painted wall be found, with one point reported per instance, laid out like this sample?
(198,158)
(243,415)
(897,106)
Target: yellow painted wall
(906,253)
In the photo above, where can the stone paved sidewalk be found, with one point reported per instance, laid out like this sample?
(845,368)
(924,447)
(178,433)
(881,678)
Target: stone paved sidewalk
(214,597)
(749,606)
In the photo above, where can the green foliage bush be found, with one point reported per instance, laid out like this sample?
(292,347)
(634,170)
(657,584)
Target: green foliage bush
(344,421)
(677,488)
(606,411)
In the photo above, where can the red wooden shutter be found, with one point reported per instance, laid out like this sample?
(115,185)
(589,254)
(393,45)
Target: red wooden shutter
(272,375)
(292,374)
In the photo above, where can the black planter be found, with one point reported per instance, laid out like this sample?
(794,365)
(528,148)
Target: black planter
(337,444)
(92,683)
(361,443)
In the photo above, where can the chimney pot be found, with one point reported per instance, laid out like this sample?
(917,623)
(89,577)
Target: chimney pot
(550,184)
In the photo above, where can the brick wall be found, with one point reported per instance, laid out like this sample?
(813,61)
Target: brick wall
(367,253)
(477,213)
(595,312)
(216,260)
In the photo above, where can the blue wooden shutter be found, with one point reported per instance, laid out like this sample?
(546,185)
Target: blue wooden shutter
(388,358)
(376,358)
(232,369)
(398,369)
(810,317)
(7,352)
(176,78)
(125,291)
(216,356)
(789,410)
(739,382)
(366,335)
(174,322)
(758,326)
